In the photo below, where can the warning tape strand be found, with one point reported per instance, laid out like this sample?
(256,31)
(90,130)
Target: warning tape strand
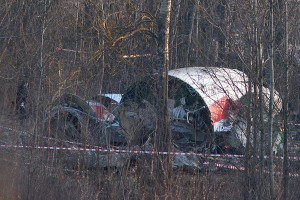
(241,168)
(100,149)
(103,150)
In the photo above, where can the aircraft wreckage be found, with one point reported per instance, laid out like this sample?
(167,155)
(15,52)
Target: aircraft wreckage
(206,106)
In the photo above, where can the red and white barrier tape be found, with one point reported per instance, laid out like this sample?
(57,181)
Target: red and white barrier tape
(241,168)
(99,149)
(227,166)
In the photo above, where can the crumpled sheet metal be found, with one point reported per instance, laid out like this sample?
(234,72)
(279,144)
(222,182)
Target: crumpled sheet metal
(94,160)
(187,161)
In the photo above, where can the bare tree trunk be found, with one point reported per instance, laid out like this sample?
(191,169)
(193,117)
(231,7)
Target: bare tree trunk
(262,129)
(190,32)
(271,100)
(255,59)
(101,81)
(163,134)
(248,189)
(261,112)
(174,29)
(162,67)
(285,181)
(258,142)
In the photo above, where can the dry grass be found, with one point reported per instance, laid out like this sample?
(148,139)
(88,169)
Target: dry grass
(37,174)
(36,180)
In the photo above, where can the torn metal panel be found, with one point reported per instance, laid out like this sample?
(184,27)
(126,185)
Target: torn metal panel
(213,83)
(201,97)
(189,115)
(222,90)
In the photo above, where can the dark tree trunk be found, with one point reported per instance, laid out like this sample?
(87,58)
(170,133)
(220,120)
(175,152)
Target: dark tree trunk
(271,100)
(285,181)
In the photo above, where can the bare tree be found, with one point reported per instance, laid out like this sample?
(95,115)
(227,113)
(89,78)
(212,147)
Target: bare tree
(163,67)
(271,103)
(285,181)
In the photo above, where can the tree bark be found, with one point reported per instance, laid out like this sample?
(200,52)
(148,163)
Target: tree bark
(162,67)
(190,23)
(271,100)
(261,112)
(163,133)
(174,29)
(285,181)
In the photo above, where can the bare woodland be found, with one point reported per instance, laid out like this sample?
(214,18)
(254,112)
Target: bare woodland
(87,47)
